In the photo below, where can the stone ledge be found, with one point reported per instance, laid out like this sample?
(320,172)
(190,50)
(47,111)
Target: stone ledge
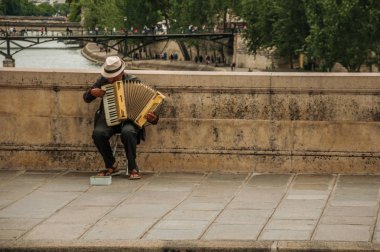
(182,246)
(151,161)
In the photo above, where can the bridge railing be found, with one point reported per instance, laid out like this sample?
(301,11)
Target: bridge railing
(71,32)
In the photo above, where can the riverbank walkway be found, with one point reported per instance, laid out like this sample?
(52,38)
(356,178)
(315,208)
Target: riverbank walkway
(61,211)
(97,54)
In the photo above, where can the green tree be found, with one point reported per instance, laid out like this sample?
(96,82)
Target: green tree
(220,9)
(139,13)
(163,8)
(61,9)
(342,31)
(191,12)
(45,9)
(278,25)
(260,16)
(75,10)
(11,7)
(25,8)
(289,29)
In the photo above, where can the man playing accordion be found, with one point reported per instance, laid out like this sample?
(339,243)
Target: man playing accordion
(112,71)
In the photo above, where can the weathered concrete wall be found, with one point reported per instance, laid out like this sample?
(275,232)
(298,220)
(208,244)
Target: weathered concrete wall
(212,121)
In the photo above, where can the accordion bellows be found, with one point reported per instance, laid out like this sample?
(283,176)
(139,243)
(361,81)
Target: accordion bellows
(129,101)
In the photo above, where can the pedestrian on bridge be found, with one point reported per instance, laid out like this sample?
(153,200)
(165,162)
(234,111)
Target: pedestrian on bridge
(112,71)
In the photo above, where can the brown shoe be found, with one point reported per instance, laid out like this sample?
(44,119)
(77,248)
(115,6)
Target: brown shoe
(134,175)
(110,171)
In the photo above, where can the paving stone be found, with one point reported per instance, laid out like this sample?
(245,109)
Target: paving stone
(189,204)
(302,203)
(359,178)
(8,197)
(77,175)
(170,186)
(215,198)
(79,215)
(243,216)
(215,191)
(354,203)
(297,213)
(270,180)
(254,194)
(232,232)
(177,230)
(18,223)
(295,235)
(310,192)
(353,196)
(267,192)
(181,224)
(6,176)
(181,176)
(348,220)
(173,234)
(38,175)
(208,199)
(224,177)
(376,236)
(358,191)
(174,181)
(308,225)
(313,179)
(163,197)
(358,186)
(23,184)
(307,196)
(241,204)
(56,231)
(309,187)
(134,210)
(119,229)
(99,199)
(359,211)
(343,233)
(203,215)
(38,204)
(118,186)
(11,234)
(64,184)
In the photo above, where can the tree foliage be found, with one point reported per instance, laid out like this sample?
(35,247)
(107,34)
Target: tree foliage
(26,8)
(343,31)
(328,31)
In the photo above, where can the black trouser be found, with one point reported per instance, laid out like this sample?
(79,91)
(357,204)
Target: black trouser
(129,137)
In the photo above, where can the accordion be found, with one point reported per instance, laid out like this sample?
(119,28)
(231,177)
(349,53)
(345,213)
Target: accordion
(129,101)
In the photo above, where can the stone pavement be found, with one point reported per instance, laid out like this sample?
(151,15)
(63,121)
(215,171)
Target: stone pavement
(60,210)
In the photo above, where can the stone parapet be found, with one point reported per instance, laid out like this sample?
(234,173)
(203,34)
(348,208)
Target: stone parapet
(211,121)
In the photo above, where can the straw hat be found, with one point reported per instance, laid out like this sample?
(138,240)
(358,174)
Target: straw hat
(112,67)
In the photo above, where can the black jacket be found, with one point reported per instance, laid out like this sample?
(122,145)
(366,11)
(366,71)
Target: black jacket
(99,115)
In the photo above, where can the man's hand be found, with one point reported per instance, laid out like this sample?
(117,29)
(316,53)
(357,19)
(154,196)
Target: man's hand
(97,92)
(152,117)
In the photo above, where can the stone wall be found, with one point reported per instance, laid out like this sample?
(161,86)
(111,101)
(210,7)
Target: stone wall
(212,121)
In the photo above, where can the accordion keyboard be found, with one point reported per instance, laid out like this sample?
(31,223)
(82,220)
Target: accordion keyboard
(109,105)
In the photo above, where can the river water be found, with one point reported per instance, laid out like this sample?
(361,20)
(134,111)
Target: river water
(51,55)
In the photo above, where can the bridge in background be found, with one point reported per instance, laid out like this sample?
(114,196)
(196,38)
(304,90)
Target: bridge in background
(13,43)
(32,23)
